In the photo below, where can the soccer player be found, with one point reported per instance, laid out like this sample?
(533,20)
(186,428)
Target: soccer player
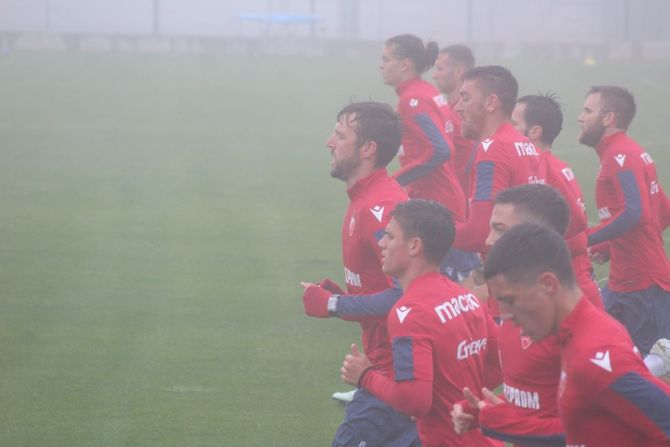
(503,158)
(539,118)
(365,140)
(451,64)
(441,335)
(426,166)
(629,202)
(606,396)
(528,416)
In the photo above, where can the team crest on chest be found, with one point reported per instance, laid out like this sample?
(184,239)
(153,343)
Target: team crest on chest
(526,342)
(352,226)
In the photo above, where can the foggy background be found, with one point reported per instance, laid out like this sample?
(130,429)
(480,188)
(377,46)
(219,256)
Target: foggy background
(547,28)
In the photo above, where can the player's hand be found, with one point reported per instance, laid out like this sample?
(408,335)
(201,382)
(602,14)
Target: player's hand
(315,300)
(331,286)
(490,398)
(461,420)
(354,365)
(598,254)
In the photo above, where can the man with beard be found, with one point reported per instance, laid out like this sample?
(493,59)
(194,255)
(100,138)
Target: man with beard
(629,200)
(503,158)
(365,140)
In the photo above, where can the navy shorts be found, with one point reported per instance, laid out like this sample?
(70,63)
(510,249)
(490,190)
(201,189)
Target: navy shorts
(458,264)
(369,422)
(645,313)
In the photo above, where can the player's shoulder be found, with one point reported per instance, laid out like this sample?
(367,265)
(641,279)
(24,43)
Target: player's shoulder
(604,348)
(419,96)
(599,364)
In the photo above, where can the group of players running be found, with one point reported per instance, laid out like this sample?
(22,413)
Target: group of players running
(439,330)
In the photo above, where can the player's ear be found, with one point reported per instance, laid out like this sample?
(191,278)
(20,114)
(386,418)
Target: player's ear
(609,119)
(549,283)
(535,132)
(492,103)
(368,150)
(415,246)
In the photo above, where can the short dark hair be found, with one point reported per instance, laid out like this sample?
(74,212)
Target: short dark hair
(526,251)
(543,110)
(542,204)
(460,54)
(376,122)
(410,46)
(618,100)
(429,221)
(498,81)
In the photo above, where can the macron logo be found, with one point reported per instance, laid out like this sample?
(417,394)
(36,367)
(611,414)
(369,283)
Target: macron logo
(603,360)
(403,312)
(378,212)
(486,143)
(620,159)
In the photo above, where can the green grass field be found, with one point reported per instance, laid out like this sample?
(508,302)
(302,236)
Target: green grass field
(158,213)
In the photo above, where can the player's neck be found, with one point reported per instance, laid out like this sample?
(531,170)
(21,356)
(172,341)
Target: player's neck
(416,269)
(404,77)
(567,302)
(611,131)
(363,171)
(544,147)
(492,124)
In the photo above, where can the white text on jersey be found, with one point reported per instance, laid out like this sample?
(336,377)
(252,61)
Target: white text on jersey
(469,348)
(455,306)
(521,398)
(351,278)
(604,213)
(525,149)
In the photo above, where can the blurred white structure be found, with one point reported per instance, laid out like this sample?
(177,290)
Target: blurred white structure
(612,27)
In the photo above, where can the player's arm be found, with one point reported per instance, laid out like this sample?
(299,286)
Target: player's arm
(629,392)
(324,302)
(490,176)
(508,423)
(632,203)
(410,390)
(424,121)
(664,217)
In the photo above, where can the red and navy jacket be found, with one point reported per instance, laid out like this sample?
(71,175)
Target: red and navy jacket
(606,395)
(443,340)
(530,372)
(504,160)
(426,170)
(630,206)
(561,177)
(372,201)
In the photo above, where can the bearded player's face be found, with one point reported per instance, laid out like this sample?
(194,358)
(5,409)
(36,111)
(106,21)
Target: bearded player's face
(590,121)
(471,109)
(344,148)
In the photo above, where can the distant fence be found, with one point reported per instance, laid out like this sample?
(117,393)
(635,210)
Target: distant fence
(510,23)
